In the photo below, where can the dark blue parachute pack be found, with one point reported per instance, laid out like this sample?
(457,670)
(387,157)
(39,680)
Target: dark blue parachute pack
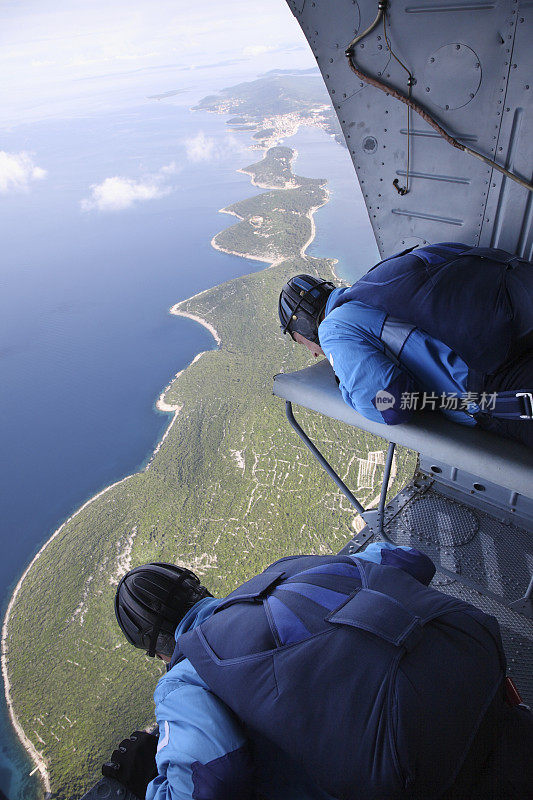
(477,300)
(372,682)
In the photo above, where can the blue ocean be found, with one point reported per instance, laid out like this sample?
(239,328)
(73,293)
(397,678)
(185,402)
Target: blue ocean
(87,342)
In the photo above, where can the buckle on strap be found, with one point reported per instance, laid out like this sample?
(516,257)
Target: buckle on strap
(528,403)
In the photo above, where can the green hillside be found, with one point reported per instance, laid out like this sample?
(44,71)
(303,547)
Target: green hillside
(271,94)
(230,490)
(274,170)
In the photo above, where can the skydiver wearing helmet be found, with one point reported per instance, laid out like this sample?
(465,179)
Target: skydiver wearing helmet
(323,677)
(446,327)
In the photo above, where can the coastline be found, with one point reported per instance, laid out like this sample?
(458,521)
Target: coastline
(161,405)
(200,320)
(35,755)
(249,256)
(310,216)
(246,171)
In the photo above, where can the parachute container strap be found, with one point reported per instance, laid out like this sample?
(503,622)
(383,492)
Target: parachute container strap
(340,483)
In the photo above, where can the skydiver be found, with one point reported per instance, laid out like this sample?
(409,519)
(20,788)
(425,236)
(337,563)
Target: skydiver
(447,327)
(322,677)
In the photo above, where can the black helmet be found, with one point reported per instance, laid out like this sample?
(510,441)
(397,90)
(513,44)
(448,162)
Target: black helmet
(150,602)
(301,302)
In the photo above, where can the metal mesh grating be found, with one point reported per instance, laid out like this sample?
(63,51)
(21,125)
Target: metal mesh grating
(496,555)
(436,519)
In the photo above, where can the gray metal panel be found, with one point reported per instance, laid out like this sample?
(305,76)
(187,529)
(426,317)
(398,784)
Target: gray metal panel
(492,457)
(463,56)
(504,503)
(509,213)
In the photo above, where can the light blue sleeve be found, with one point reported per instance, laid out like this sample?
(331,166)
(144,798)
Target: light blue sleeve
(408,559)
(373,551)
(195,729)
(369,381)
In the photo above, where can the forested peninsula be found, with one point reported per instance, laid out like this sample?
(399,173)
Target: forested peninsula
(229,490)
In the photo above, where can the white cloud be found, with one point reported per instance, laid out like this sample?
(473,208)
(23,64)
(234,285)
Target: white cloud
(117,193)
(207,148)
(257,50)
(201,148)
(170,169)
(17,171)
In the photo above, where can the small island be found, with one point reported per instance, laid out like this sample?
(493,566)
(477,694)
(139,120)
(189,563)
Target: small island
(229,489)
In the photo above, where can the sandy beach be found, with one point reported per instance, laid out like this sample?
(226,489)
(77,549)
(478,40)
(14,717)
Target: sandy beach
(249,256)
(178,311)
(310,216)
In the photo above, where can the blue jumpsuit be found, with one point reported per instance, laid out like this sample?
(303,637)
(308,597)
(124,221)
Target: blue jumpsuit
(204,752)
(350,338)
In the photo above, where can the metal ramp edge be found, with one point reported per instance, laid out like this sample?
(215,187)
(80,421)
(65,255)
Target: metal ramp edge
(497,460)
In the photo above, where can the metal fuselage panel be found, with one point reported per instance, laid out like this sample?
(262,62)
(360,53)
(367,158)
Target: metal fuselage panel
(472,63)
